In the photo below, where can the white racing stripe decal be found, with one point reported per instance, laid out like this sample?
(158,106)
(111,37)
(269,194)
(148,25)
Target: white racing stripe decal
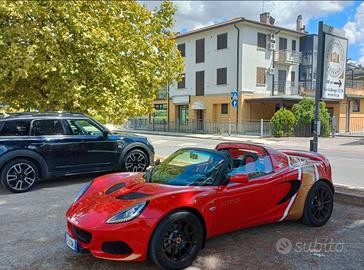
(292,199)
(316,173)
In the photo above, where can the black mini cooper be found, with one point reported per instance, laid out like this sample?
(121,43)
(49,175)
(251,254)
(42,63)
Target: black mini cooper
(41,145)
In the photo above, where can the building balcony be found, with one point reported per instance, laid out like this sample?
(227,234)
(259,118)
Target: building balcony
(307,89)
(355,84)
(287,57)
(284,88)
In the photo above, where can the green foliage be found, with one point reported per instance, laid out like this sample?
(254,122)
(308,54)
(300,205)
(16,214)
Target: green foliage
(105,58)
(100,119)
(283,122)
(304,112)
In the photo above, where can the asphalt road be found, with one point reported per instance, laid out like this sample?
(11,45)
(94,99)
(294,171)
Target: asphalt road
(33,224)
(346,155)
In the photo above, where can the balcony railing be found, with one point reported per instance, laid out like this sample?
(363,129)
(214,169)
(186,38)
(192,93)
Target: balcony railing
(307,89)
(287,57)
(354,83)
(284,88)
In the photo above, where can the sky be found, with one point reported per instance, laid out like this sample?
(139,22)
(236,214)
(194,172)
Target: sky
(347,15)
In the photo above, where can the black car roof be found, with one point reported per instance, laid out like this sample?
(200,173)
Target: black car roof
(31,115)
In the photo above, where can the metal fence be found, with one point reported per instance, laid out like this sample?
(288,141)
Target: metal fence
(354,126)
(260,128)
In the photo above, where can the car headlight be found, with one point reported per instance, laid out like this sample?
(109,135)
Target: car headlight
(82,191)
(128,214)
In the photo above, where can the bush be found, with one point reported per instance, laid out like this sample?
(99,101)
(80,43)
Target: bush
(283,122)
(304,111)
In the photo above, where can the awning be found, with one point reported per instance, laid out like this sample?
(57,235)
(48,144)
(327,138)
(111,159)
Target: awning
(198,105)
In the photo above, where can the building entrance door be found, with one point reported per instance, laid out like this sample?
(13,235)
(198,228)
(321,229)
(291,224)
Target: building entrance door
(200,120)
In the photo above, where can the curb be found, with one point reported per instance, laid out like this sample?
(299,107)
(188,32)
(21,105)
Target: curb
(349,195)
(349,198)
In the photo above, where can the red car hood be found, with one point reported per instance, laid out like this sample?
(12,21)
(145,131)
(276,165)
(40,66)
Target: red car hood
(110,194)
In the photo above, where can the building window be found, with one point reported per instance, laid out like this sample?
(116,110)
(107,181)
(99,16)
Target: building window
(183,114)
(224,108)
(293,78)
(293,45)
(222,41)
(282,43)
(200,83)
(182,83)
(262,41)
(260,76)
(356,105)
(221,76)
(182,49)
(200,50)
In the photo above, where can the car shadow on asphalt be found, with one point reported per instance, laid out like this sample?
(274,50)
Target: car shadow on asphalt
(55,182)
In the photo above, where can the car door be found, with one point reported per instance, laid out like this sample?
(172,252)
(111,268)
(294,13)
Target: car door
(60,151)
(100,152)
(241,205)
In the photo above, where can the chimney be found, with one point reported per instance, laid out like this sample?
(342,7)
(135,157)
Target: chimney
(264,17)
(299,24)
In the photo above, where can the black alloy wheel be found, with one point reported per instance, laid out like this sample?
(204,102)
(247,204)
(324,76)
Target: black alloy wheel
(319,205)
(136,161)
(176,241)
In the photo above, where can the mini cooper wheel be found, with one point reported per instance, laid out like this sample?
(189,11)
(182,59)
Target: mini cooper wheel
(19,175)
(136,161)
(319,205)
(176,241)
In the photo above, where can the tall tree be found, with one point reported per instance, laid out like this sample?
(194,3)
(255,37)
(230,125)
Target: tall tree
(98,57)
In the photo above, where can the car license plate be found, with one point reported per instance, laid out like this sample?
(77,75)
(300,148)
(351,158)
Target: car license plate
(71,243)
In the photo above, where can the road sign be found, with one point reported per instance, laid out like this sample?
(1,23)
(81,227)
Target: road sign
(333,83)
(234,95)
(234,103)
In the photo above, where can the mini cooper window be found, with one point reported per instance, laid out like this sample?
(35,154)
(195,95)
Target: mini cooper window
(188,167)
(84,127)
(47,127)
(253,164)
(15,128)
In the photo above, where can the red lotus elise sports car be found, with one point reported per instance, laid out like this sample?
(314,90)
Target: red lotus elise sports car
(169,212)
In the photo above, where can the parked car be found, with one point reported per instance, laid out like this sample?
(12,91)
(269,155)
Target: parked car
(168,212)
(43,145)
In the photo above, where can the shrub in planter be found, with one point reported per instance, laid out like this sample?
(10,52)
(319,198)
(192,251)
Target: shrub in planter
(283,122)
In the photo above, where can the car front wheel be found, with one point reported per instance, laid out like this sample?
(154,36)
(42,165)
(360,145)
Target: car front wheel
(19,175)
(136,161)
(176,241)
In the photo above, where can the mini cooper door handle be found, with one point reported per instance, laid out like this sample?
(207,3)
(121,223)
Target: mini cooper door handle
(212,209)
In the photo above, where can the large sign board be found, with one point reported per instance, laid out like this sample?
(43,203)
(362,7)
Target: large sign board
(334,63)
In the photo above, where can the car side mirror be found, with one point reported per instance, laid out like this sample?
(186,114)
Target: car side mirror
(239,178)
(157,162)
(105,133)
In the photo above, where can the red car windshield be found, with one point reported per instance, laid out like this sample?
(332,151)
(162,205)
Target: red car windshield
(188,167)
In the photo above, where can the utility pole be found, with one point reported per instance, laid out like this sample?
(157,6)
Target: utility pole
(319,84)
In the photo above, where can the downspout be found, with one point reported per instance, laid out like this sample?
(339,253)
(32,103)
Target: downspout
(237,74)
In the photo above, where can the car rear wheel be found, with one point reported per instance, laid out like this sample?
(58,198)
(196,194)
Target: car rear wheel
(319,205)
(176,241)
(136,161)
(19,175)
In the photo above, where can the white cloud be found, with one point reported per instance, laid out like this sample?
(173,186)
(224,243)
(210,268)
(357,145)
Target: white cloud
(194,14)
(354,30)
